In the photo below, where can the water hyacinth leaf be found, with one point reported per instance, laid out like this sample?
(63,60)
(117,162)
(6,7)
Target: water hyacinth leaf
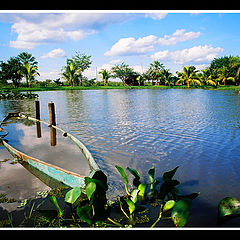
(228,207)
(90,189)
(123,174)
(134,195)
(134,172)
(84,213)
(72,195)
(131,205)
(142,190)
(151,174)
(167,187)
(169,175)
(181,211)
(168,205)
(153,186)
(53,200)
(99,183)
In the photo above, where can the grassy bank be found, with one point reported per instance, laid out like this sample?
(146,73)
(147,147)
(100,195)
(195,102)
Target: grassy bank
(57,88)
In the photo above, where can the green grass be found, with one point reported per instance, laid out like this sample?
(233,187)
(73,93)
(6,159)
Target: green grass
(23,89)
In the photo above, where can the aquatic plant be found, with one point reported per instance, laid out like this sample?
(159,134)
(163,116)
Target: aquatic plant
(89,206)
(8,95)
(228,208)
(168,194)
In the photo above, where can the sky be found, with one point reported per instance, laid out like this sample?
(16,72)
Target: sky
(137,38)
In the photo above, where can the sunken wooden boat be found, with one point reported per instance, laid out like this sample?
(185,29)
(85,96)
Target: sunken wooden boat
(58,174)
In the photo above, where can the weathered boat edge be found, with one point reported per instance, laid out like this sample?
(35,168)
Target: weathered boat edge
(63,176)
(92,163)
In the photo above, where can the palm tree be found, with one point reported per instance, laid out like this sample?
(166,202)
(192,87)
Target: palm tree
(207,77)
(166,76)
(223,75)
(29,72)
(26,57)
(71,72)
(105,76)
(154,71)
(189,76)
(68,73)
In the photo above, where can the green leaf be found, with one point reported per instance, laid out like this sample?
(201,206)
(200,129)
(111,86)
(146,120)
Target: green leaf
(72,195)
(181,211)
(84,213)
(153,186)
(167,187)
(123,174)
(134,172)
(98,183)
(90,189)
(151,174)
(134,195)
(168,205)
(131,205)
(228,207)
(142,190)
(169,175)
(53,200)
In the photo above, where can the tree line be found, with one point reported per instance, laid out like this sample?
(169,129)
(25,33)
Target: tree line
(221,71)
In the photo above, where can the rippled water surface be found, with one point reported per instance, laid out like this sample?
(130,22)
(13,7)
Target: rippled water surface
(197,130)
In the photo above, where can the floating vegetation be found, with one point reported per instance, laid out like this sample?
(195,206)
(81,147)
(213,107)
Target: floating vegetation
(9,95)
(4,199)
(75,208)
(42,194)
(58,192)
(22,203)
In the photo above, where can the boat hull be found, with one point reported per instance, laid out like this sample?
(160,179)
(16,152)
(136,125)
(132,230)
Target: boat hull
(62,176)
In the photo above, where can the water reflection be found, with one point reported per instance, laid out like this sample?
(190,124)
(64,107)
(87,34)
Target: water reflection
(39,131)
(40,142)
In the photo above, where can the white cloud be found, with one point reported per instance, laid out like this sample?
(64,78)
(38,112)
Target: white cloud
(160,55)
(132,46)
(156,16)
(30,34)
(20,44)
(33,30)
(179,36)
(55,53)
(54,74)
(197,54)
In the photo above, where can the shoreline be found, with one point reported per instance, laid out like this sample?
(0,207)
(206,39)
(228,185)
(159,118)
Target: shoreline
(67,88)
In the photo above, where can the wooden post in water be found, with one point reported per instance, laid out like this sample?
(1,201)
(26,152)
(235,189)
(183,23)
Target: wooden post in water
(52,121)
(37,109)
(52,115)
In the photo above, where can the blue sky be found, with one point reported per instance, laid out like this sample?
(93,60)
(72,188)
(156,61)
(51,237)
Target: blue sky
(175,38)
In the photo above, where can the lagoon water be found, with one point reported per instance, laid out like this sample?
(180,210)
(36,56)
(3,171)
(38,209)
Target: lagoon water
(197,130)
